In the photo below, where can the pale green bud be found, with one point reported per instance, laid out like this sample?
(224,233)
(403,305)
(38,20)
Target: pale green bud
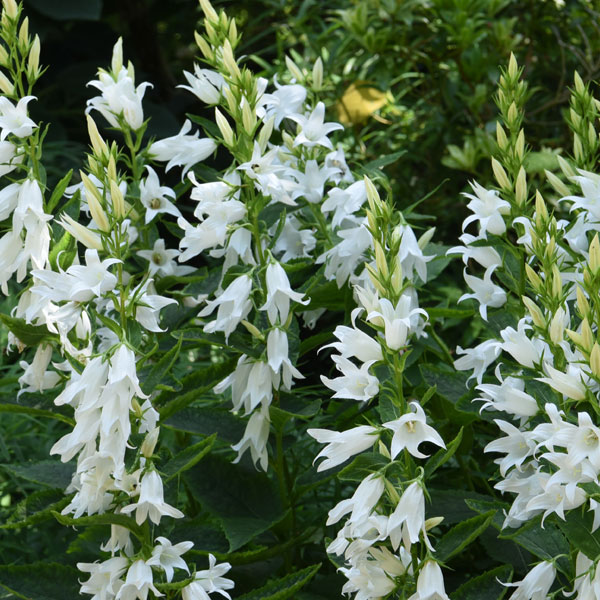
(520,145)
(579,86)
(209,11)
(501,136)
(118,202)
(10,8)
(253,330)
(500,175)
(117,57)
(557,285)
(6,85)
(565,167)
(82,234)
(204,47)
(224,128)
(534,278)
(94,202)
(317,74)
(541,212)
(33,60)
(575,118)
(577,147)
(535,312)
(372,196)
(293,69)
(591,135)
(513,114)
(582,303)
(380,260)
(594,259)
(426,238)
(229,60)
(557,327)
(248,118)
(149,443)
(24,33)
(521,187)
(98,144)
(265,133)
(556,183)
(513,67)
(595,359)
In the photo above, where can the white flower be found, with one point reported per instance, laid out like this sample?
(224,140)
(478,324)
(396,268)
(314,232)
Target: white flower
(119,98)
(341,445)
(285,101)
(183,149)
(313,129)
(356,383)
(138,583)
(485,292)
(293,241)
(410,430)
(517,445)
(356,343)
(478,358)
(36,376)
(168,556)
(410,254)
(233,305)
(486,256)
(536,584)
(279,294)
(162,260)
(154,196)
(407,522)
(151,503)
(205,84)
(344,202)
(14,119)
(488,209)
(255,438)
(363,501)
(570,383)
(509,397)
(104,580)
(209,581)
(278,358)
(524,350)
(430,583)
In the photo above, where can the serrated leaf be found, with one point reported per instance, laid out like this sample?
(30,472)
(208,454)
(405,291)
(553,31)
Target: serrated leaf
(150,376)
(40,581)
(443,455)
(51,473)
(206,421)
(187,458)
(30,335)
(578,529)
(486,586)
(461,535)
(245,501)
(283,588)
(364,464)
(545,543)
(36,507)
(107,518)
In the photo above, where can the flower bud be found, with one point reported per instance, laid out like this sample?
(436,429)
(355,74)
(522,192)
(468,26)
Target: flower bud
(557,326)
(372,196)
(6,85)
(594,259)
(82,234)
(575,118)
(293,69)
(95,203)
(3,56)
(24,33)
(433,522)
(98,144)
(265,133)
(117,57)
(204,47)
(232,34)
(229,60)
(513,67)
(591,135)
(577,147)
(149,443)
(512,114)
(10,8)
(317,74)
(541,212)
(535,312)
(380,260)
(582,303)
(118,202)
(500,175)
(521,187)
(565,167)
(501,137)
(595,359)
(209,11)
(557,285)
(33,60)
(383,450)
(253,330)
(556,183)
(248,118)
(534,279)
(520,145)
(111,168)
(374,277)
(426,238)
(224,128)
(579,86)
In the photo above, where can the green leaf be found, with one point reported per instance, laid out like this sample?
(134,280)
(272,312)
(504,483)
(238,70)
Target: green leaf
(285,587)
(150,376)
(364,464)
(16,407)
(40,581)
(187,458)
(36,507)
(443,455)
(578,529)
(58,191)
(383,161)
(63,252)
(545,543)
(107,518)
(461,535)
(237,340)
(30,335)
(244,500)
(51,473)
(486,586)
(440,312)
(69,10)
(206,421)
(200,382)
